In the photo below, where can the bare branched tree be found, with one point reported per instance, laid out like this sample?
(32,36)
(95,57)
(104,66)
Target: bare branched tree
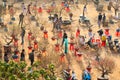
(115,6)
(106,66)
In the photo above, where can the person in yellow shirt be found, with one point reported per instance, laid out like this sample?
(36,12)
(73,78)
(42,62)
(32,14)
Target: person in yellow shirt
(103,40)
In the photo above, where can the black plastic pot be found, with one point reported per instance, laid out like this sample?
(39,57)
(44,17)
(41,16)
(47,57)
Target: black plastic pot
(103,78)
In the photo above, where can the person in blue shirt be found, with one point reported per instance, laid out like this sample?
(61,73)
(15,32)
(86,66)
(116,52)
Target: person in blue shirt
(15,56)
(86,75)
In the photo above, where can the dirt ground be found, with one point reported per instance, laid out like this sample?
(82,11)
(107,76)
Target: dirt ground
(74,64)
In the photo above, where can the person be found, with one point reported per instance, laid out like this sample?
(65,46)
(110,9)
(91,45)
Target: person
(66,4)
(15,56)
(90,34)
(66,73)
(25,11)
(100,32)
(66,45)
(28,7)
(4,3)
(23,6)
(22,35)
(86,75)
(104,19)
(90,42)
(39,10)
(57,24)
(85,8)
(64,35)
(60,22)
(54,22)
(11,11)
(22,55)
(31,57)
(53,4)
(99,19)
(72,1)
(21,18)
(73,76)
(6,59)
(103,40)
(82,40)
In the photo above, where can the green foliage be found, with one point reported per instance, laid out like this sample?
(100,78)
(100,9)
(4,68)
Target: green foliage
(20,71)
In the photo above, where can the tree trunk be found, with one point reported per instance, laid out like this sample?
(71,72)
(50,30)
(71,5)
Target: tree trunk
(103,74)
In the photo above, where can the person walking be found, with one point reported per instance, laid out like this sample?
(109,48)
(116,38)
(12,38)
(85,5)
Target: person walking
(4,3)
(84,10)
(21,18)
(64,35)
(22,56)
(86,75)
(28,7)
(99,19)
(22,35)
(104,19)
(31,57)
(66,45)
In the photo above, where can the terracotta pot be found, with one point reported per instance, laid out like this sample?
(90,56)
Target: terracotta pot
(43,51)
(53,38)
(57,47)
(42,28)
(45,32)
(71,38)
(89,69)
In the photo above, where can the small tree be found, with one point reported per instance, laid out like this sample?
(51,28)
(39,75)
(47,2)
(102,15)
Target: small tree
(106,66)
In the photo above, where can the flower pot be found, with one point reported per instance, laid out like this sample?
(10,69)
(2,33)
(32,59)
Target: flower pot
(29,49)
(35,45)
(32,37)
(29,35)
(71,38)
(53,38)
(60,34)
(57,47)
(42,28)
(45,34)
(43,51)
(17,51)
(89,69)
(77,33)
(71,46)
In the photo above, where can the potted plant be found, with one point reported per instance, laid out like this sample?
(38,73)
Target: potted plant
(106,66)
